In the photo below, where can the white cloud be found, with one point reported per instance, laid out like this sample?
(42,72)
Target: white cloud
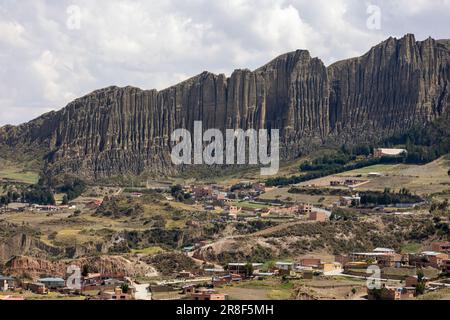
(159,43)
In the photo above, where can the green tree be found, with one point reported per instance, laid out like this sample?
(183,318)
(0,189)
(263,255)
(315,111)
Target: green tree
(420,288)
(249,270)
(85,271)
(65,200)
(125,288)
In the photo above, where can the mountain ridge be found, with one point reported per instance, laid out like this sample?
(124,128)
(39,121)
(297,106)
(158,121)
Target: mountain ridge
(396,84)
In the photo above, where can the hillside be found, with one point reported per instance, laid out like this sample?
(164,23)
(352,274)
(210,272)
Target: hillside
(126,131)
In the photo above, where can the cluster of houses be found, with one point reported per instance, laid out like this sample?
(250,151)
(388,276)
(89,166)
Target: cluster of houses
(22,207)
(241,203)
(393,266)
(437,258)
(105,287)
(435,262)
(244,190)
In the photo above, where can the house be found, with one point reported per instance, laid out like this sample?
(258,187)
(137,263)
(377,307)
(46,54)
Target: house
(330,268)
(46,208)
(390,260)
(285,266)
(233,212)
(17,207)
(189,249)
(336,183)
(259,187)
(374,175)
(226,279)
(240,268)
(185,275)
(38,288)
(11,298)
(432,259)
(284,210)
(384,250)
(350,201)
(220,196)
(309,262)
(305,208)
(7,283)
(383,257)
(318,216)
(383,152)
(441,247)
(204,294)
(136,195)
(53,283)
(93,279)
(412,281)
(342,259)
(353,182)
(164,292)
(118,294)
(385,293)
(202,192)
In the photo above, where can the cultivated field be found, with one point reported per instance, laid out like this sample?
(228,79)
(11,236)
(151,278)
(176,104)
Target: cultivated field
(420,179)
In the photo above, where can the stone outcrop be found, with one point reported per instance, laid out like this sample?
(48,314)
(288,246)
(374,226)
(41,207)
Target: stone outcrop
(121,131)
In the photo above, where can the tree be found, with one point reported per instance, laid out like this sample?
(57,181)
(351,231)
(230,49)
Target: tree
(248,270)
(85,271)
(65,200)
(420,288)
(125,288)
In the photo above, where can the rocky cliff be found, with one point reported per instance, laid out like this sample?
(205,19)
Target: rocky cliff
(119,131)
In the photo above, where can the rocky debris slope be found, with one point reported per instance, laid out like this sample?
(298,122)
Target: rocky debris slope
(122,131)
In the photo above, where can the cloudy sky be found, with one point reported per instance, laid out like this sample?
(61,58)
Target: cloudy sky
(52,51)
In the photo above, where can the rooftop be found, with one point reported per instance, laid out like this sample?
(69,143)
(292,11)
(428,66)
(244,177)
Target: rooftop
(244,264)
(383,250)
(51,280)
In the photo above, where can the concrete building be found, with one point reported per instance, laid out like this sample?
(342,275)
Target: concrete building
(118,294)
(385,293)
(204,294)
(240,268)
(443,247)
(305,208)
(286,266)
(53,283)
(432,259)
(384,152)
(7,283)
(38,288)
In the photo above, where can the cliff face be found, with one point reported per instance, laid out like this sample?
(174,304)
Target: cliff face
(395,85)
(116,131)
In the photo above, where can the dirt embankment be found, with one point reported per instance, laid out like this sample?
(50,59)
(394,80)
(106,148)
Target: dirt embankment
(32,268)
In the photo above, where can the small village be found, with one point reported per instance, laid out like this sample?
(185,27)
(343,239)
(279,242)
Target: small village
(399,275)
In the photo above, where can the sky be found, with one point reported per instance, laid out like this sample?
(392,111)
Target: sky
(53,51)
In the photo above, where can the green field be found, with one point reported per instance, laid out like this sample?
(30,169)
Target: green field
(148,251)
(250,205)
(411,247)
(18,174)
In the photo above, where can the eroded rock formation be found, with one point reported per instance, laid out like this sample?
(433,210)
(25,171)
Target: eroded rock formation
(120,131)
